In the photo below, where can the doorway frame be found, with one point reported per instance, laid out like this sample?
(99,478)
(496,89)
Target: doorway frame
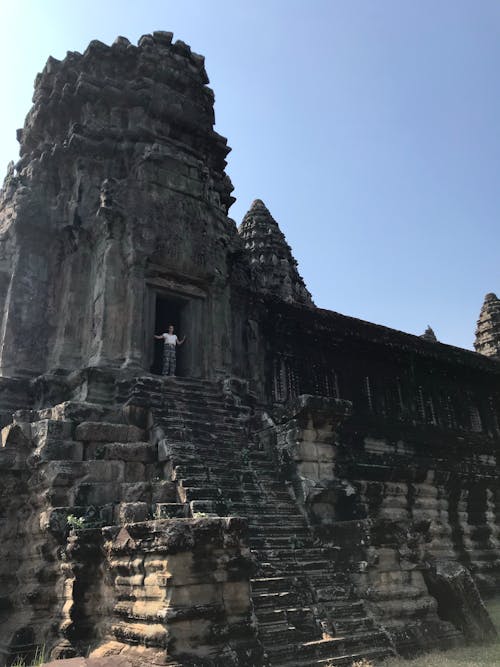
(193,317)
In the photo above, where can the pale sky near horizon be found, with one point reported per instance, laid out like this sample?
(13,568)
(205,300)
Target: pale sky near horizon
(369,129)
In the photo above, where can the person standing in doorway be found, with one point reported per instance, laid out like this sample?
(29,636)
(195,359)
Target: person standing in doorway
(170,342)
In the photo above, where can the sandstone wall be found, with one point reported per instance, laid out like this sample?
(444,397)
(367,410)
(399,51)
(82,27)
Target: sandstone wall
(119,196)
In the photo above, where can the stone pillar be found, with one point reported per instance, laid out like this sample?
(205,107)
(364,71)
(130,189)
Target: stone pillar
(134,343)
(72,336)
(111,294)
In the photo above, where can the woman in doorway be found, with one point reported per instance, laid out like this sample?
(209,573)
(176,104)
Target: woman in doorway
(170,342)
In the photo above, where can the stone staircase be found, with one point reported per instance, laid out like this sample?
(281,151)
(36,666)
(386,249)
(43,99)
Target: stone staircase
(303,598)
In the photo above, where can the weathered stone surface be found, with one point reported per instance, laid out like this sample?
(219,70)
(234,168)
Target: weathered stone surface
(488,327)
(273,268)
(459,600)
(184,585)
(303,467)
(103,432)
(119,140)
(429,335)
(108,661)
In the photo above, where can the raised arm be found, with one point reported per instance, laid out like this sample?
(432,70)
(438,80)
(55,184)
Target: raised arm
(158,337)
(179,342)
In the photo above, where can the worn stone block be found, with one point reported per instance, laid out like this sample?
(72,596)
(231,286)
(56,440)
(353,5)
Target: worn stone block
(134,472)
(130,512)
(107,432)
(60,450)
(51,428)
(142,452)
(97,494)
(135,492)
(163,491)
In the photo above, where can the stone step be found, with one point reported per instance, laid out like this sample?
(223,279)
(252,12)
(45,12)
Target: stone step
(293,531)
(351,625)
(348,611)
(297,616)
(310,554)
(197,424)
(206,471)
(232,482)
(201,416)
(252,496)
(270,541)
(272,521)
(209,477)
(327,594)
(180,453)
(211,450)
(280,511)
(374,655)
(329,647)
(275,600)
(203,493)
(279,634)
(169,510)
(199,406)
(291,568)
(146,634)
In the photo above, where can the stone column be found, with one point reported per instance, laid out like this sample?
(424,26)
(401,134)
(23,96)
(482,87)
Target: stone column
(111,292)
(134,328)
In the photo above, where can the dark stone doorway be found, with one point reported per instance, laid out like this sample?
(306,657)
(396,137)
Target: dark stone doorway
(167,311)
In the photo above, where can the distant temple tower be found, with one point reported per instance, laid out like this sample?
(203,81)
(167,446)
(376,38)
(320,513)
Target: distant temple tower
(488,327)
(274,270)
(429,335)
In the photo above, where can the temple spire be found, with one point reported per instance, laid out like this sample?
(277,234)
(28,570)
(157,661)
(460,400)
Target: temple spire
(429,335)
(274,269)
(488,327)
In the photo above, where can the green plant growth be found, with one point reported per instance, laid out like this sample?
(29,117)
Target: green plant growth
(475,655)
(90,519)
(75,522)
(38,659)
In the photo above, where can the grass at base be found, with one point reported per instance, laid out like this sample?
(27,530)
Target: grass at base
(478,655)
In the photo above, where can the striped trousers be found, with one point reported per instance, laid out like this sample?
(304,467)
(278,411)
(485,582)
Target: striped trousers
(168,360)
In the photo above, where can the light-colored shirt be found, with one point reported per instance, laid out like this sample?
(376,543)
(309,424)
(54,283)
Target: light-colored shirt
(170,339)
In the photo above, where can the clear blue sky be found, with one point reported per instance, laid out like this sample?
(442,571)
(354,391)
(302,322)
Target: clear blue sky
(370,128)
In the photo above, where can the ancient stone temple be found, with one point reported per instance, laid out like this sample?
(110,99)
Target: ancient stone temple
(276,502)
(488,327)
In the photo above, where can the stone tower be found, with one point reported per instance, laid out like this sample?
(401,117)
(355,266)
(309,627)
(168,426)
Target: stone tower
(114,221)
(488,327)
(273,268)
(429,335)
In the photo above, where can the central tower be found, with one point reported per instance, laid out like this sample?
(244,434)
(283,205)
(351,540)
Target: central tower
(114,220)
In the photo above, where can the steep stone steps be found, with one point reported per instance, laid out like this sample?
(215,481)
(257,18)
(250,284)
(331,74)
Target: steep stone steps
(330,647)
(274,600)
(300,588)
(292,616)
(373,654)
